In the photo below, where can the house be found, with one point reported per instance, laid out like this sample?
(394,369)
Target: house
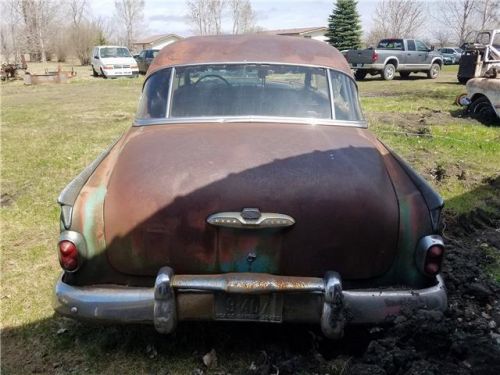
(318,33)
(155,41)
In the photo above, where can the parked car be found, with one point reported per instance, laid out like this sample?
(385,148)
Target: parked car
(405,56)
(484,98)
(250,189)
(112,62)
(451,55)
(145,58)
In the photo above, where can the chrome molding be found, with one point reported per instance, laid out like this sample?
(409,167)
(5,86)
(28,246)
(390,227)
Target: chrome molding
(249,119)
(237,220)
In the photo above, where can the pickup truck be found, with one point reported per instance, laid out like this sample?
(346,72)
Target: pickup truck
(395,55)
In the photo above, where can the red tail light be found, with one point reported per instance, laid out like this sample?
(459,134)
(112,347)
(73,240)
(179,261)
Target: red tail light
(374,56)
(433,260)
(68,255)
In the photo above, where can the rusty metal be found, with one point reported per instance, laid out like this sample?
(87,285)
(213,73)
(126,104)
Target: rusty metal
(252,283)
(326,178)
(250,48)
(59,76)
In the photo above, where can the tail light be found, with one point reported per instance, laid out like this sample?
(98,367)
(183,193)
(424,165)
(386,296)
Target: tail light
(68,255)
(72,250)
(429,255)
(374,56)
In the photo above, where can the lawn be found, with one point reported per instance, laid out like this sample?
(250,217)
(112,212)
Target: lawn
(50,132)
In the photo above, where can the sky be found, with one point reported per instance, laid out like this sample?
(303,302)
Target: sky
(168,16)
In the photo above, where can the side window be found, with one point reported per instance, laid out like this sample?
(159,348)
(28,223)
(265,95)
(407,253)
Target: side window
(411,45)
(345,98)
(421,46)
(154,98)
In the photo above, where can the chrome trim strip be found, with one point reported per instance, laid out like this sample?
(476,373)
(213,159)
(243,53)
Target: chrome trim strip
(236,220)
(169,97)
(252,119)
(330,89)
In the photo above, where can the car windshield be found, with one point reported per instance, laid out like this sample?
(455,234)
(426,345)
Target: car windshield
(229,90)
(114,52)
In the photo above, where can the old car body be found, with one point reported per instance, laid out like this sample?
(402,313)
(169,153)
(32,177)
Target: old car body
(248,189)
(484,98)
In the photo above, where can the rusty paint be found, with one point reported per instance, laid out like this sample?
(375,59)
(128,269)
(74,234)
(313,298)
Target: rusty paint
(169,179)
(250,48)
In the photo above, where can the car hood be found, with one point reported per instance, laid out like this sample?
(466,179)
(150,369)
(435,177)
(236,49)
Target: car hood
(168,179)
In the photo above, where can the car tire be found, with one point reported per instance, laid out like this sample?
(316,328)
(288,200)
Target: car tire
(103,75)
(388,72)
(482,110)
(94,73)
(360,75)
(404,75)
(463,80)
(433,72)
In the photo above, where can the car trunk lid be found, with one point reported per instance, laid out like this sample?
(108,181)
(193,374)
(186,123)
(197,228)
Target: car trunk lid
(331,180)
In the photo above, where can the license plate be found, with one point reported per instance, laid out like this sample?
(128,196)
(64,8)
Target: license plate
(359,65)
(249,307)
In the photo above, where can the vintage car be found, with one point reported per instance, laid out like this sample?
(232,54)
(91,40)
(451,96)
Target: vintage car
(483,98)
(249,189)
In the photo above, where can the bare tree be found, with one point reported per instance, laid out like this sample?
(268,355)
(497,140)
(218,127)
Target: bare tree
(11,30)
(206,16)
(243,16)
(442,37)
(131,14)
(458,16)
(40,18)
(398,18)
(488,13)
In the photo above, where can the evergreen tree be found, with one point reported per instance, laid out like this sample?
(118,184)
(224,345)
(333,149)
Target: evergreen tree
(344,28)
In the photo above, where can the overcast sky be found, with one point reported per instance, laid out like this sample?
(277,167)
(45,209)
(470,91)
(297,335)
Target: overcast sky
(168,16)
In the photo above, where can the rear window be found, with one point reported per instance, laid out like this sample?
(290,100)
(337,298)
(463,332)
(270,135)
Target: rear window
(234,90)
(391,44)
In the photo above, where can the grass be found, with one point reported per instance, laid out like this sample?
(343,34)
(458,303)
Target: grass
(51,132)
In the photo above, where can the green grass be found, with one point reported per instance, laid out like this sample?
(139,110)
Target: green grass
(50,132)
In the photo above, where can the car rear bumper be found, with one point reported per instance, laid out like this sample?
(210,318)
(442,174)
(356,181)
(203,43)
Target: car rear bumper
(192,297)
(373,67)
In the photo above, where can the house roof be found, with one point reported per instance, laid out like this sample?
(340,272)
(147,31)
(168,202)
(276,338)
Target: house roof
(252,48)
(300,31)
(154,38)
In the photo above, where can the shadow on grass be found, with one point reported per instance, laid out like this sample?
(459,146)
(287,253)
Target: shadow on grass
(62,345)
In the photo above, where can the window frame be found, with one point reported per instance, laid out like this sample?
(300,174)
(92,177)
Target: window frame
(360,123)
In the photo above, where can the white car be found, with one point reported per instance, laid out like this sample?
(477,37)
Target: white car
(113,61)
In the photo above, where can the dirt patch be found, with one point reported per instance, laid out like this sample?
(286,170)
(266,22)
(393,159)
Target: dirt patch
(6,200)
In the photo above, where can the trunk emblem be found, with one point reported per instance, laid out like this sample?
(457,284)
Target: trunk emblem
(250,218)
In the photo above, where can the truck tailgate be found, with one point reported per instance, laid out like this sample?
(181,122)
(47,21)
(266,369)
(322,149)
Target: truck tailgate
(359,56)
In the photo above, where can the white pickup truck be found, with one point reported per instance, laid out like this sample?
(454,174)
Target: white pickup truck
(395,55)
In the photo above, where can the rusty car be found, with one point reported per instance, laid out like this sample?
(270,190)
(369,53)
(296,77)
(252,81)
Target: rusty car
(483,98)
(249,188)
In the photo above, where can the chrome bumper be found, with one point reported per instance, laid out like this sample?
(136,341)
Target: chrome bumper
(191,297)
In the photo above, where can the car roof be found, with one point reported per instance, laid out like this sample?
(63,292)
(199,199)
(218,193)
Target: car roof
(252,48)
(110,47)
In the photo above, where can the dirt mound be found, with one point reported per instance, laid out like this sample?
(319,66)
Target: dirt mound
(463,340)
